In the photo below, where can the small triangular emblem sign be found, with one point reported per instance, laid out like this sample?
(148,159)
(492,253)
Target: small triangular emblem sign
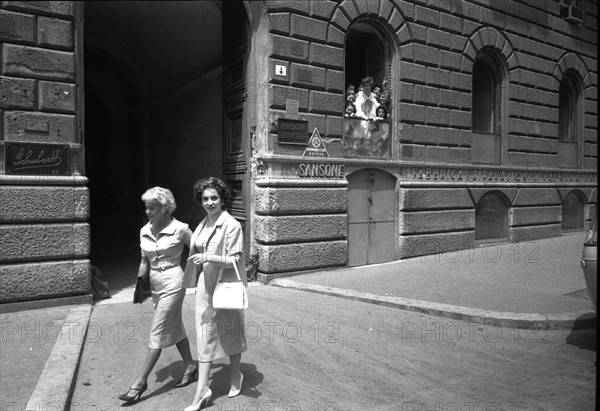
(316,146)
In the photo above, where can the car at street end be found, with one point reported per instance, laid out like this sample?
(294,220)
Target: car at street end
(589,261)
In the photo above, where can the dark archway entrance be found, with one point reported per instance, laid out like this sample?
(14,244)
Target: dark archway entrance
(156,78)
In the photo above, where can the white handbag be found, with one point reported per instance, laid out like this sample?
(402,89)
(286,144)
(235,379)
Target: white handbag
(230,295)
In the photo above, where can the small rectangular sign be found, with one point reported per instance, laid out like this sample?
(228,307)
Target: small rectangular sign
(292,131)
(36,159)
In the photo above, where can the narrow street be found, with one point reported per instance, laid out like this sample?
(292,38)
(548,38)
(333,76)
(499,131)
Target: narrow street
(313,352)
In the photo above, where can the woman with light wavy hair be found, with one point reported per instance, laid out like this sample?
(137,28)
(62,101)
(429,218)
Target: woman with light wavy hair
(162,241)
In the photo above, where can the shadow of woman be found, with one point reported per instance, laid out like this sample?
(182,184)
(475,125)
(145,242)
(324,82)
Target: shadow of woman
(584,333)
(220,380)
(173,372)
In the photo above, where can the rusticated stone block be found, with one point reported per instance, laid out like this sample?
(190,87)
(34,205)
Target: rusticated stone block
(322,102)
(291,49)
(436,221)
(425,244)
(308,28)
(285,5)
(299,257)
(427,198)
(523,234)
(333,128)
(57,96)
(28,242)
(534,215)
(328,56)
(280,22)
(300,200)
(279,95)
(43,203)
(44,280)
(16,27)
(335,81)
(322,9)
(307,76)
(287,229)
(17,93)
(55,33)
(38,63)
(39,127)
(537,196)
(63,8)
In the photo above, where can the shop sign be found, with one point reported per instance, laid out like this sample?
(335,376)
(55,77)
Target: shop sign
(291,131)
(525,175)
(321,170)
(38,159)
(316,146)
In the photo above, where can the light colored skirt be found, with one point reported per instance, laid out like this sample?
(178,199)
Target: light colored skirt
(167,295)
(219,333)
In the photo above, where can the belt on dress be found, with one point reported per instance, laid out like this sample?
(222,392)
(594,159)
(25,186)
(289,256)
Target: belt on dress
(162,268)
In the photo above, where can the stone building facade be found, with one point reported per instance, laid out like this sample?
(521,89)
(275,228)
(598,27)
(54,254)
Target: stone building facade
(44,201)
(490,133)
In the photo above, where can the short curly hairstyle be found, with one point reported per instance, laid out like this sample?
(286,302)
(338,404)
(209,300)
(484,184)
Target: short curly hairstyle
(162,196)
(368,81)
(212,182)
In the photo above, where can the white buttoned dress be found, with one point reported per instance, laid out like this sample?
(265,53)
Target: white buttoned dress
(164,254)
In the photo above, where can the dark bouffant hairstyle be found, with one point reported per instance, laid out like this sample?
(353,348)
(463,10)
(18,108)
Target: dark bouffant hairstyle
(211,182)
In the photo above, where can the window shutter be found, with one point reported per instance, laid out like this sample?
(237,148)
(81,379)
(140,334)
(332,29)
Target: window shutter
(498,115)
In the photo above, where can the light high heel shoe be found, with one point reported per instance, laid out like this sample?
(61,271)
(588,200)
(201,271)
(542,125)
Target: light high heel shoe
(196,407)
(236,391)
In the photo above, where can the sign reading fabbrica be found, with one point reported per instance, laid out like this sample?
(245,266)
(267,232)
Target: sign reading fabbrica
(37,159)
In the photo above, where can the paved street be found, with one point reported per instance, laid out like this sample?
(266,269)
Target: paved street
(315,352)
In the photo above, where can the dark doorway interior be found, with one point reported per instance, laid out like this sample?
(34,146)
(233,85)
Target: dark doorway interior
(153,116)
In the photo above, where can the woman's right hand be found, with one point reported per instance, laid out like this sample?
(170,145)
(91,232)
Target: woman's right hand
(198,258)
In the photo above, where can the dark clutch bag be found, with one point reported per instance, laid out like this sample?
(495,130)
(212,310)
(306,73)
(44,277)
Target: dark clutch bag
(142,290)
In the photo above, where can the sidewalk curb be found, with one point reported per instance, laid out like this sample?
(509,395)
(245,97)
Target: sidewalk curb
(537,321)
(54,387)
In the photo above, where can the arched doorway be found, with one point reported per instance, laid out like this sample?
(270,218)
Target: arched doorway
(573,213)
(491,218)
(372,210)
(161,83)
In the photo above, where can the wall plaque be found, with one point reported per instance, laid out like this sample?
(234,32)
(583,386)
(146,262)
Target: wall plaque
(292,131)
(33,158)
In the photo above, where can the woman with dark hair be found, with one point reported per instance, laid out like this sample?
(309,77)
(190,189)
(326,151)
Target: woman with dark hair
(216,249)
(162,241)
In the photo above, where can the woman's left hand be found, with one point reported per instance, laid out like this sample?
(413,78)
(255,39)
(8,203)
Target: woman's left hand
(198,258)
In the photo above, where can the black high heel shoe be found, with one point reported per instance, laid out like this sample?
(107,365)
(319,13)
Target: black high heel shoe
(140,391)
(188,378)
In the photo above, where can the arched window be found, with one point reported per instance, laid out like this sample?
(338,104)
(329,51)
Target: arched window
(491,218)
(572,212)
(569,120)
(368,104)
(486,112)
(487,95)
